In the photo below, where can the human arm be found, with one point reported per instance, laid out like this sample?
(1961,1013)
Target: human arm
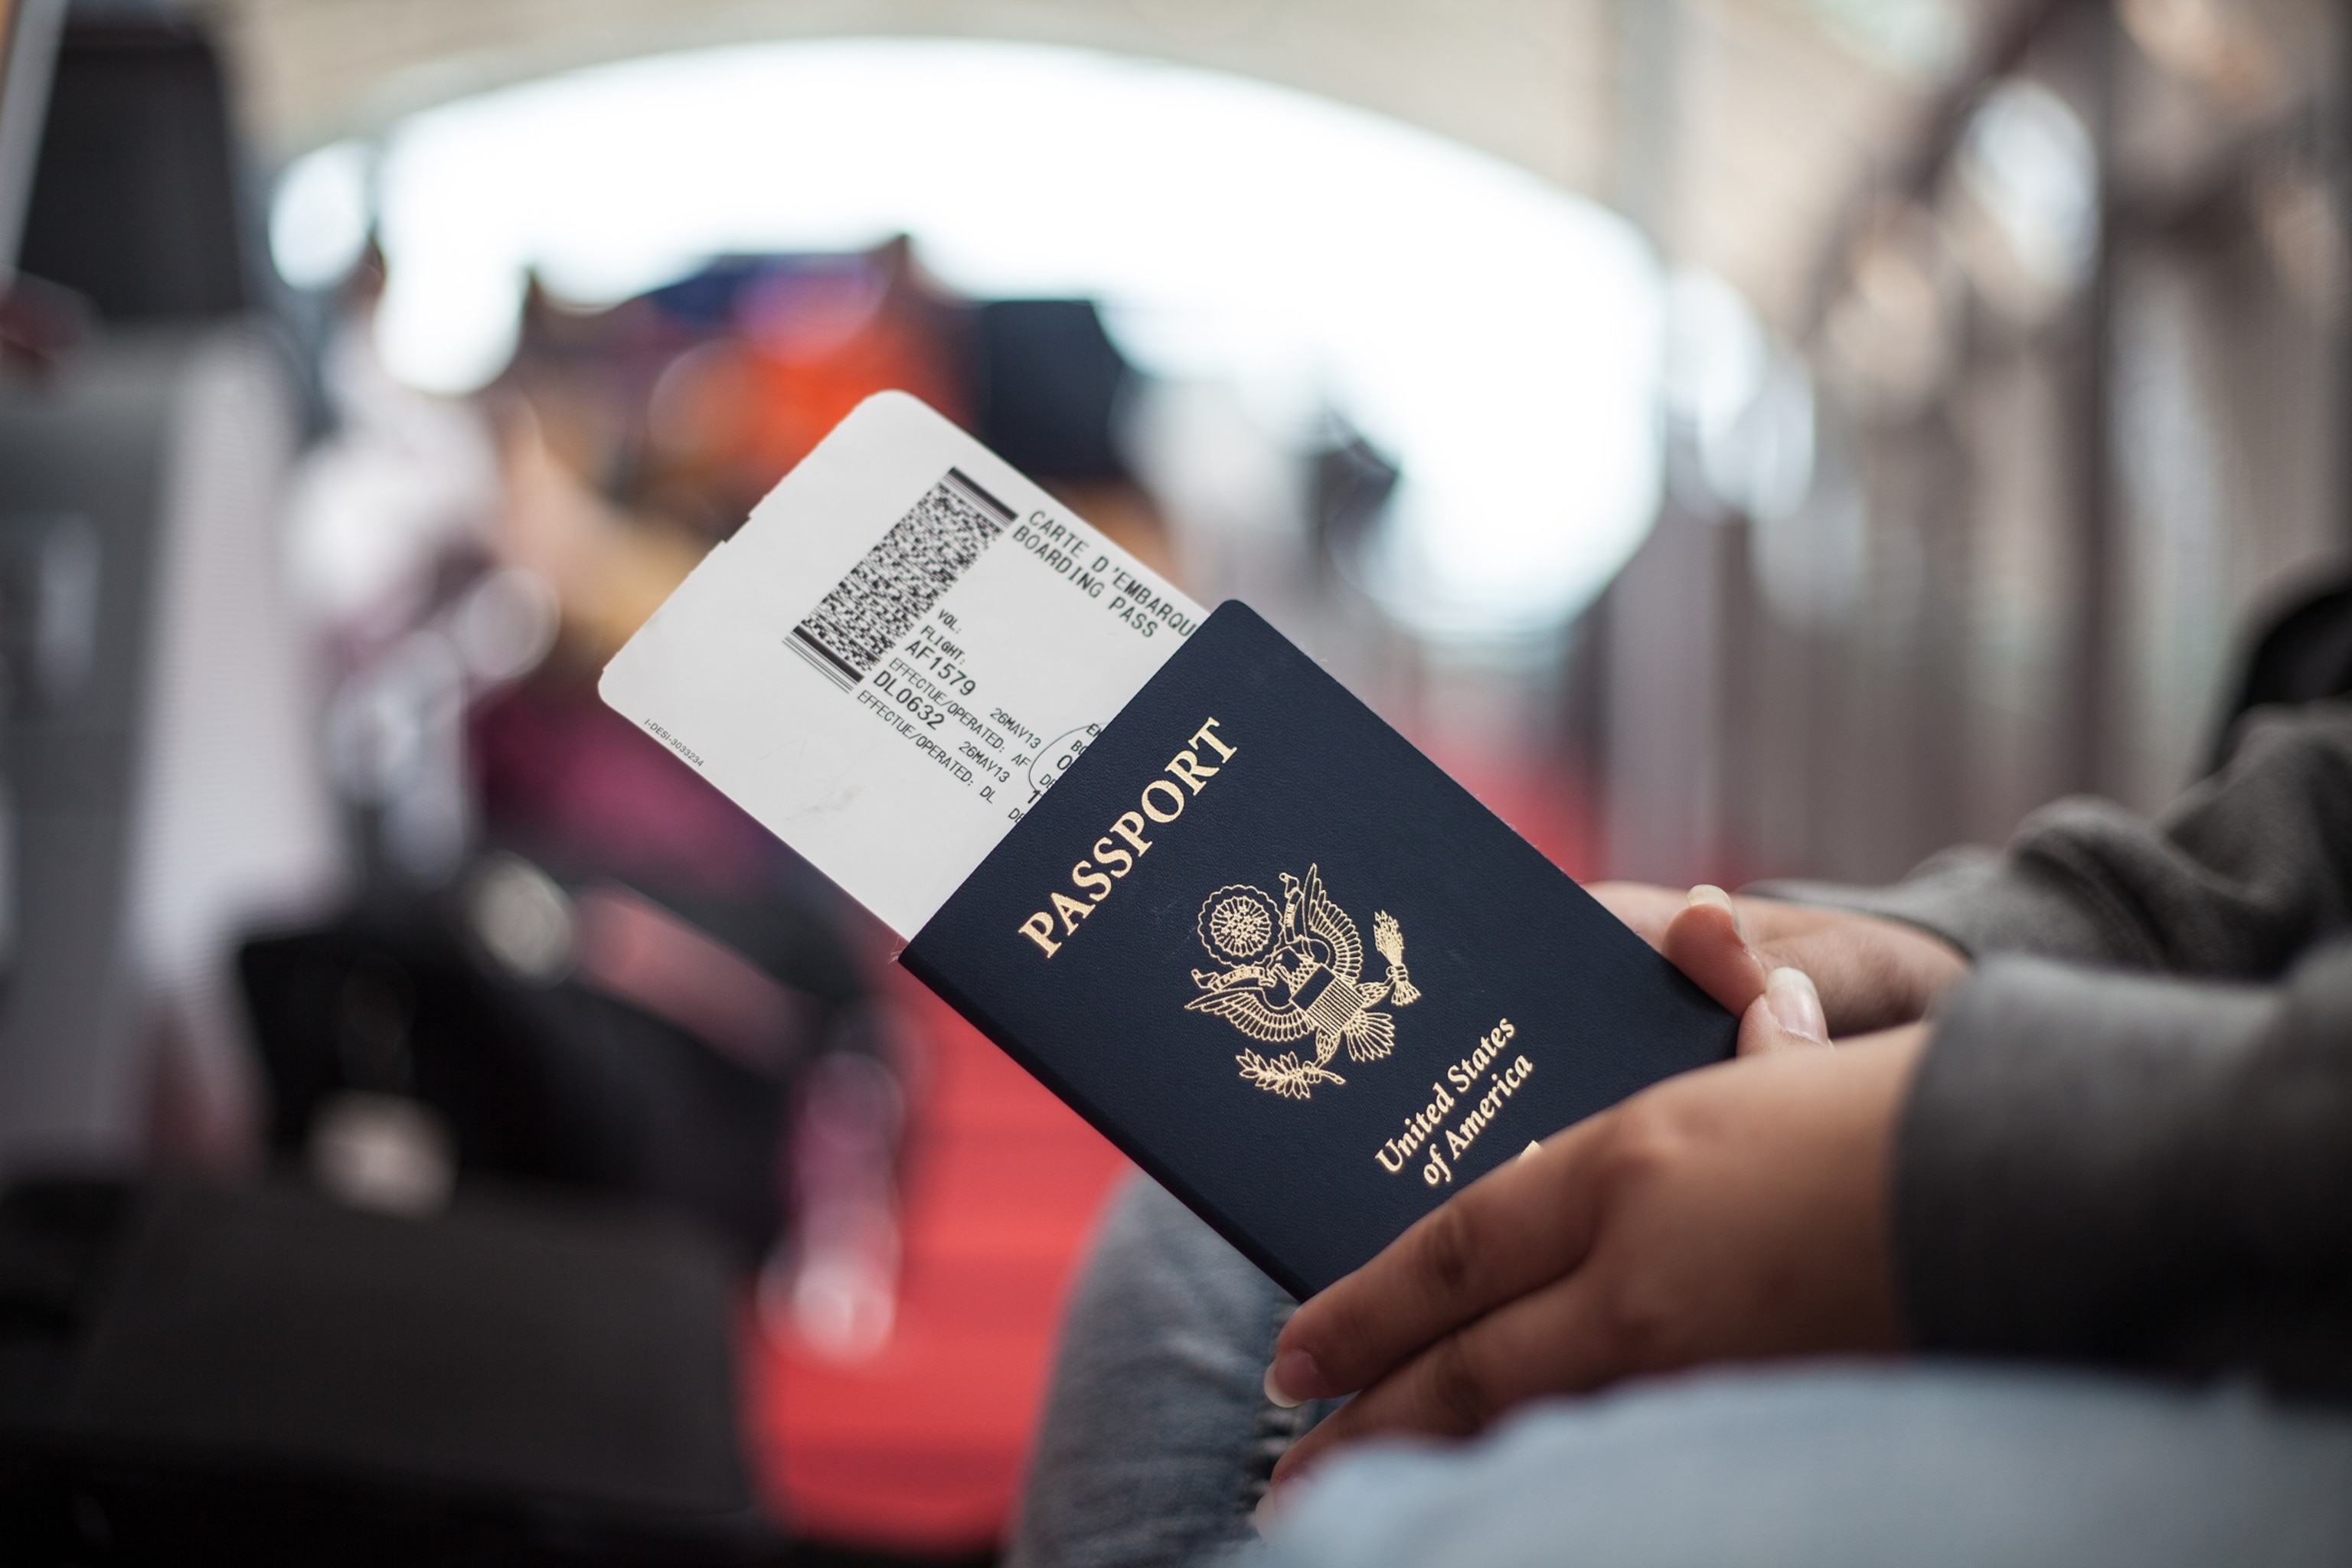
(2117,1167)
(2245,872)
(2134,1171)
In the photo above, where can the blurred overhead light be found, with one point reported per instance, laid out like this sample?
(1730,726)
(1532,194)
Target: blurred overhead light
(1749,404)
(1716,351)
(2219,47)
(2029,167)
(321,215)
(2302,225)
(1891,337)
(1496,335)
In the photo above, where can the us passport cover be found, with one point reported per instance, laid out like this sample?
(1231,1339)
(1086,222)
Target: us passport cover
(1294,970)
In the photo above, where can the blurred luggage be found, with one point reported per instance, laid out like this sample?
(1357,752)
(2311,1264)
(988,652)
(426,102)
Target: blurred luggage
(190,1374)
(585,1036)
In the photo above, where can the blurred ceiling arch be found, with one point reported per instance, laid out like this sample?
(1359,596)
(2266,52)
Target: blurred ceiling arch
(1732,130)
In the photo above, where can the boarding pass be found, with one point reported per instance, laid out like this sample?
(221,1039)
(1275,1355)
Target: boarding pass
(899,652)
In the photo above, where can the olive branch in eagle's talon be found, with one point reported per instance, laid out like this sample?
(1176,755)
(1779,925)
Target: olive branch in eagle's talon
(1286,1075)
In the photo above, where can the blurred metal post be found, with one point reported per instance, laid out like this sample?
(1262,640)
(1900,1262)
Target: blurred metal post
(2336,159)
(2093,691)
(1661,671)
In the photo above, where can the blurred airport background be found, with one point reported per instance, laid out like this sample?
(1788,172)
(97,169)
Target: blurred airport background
(1735,437)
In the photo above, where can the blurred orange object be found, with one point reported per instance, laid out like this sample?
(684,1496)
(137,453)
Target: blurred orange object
(803,342)
(920,1448)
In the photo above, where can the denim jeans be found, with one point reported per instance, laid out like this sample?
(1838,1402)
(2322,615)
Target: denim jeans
(1158,1438)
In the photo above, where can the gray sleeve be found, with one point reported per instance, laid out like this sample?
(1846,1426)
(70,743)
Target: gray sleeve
(2133,1170)
(2247,871)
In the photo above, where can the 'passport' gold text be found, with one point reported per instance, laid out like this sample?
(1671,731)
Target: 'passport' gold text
(1114,854)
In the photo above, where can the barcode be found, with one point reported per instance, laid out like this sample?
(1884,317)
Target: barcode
(898,581)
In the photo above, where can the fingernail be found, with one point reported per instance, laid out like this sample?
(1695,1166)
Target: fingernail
(1267,1511)
(1291,1368)
(1708,893)
(1795,1006)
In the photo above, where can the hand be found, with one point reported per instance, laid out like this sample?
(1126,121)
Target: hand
(1737,1212)
(1871,973)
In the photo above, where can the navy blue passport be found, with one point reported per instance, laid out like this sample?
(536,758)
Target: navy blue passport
(1293,969)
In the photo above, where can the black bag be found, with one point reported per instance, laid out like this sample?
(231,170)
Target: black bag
(553,1083)
(190,1374)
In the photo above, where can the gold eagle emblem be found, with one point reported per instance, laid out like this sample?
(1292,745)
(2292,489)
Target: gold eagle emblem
(1294,969)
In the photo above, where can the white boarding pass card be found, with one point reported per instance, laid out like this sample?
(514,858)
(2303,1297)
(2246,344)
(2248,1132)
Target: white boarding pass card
(903,648)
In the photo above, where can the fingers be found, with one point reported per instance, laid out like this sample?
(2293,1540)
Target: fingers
(1551,1341)
(1787,1016)
(1871,973)
(1704,941)
(1746,1217)
(1515,1229)
(1778,1007)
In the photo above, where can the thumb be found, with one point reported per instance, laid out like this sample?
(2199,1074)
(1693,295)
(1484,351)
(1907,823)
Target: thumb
(1704,941)
(1787,1016)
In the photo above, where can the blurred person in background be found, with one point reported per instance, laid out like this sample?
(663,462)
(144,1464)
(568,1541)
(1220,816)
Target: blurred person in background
(2018,1231)
(633,440)
(574,962)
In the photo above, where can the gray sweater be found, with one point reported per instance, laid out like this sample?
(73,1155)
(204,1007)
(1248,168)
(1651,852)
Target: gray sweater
(2131,1139)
